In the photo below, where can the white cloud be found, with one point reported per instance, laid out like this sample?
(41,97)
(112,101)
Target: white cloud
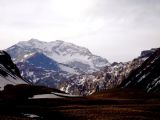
(115,29)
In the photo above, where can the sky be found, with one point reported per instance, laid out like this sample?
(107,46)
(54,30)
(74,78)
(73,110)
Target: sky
(117,30)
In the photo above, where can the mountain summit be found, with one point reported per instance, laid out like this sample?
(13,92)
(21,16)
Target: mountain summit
(62,52)
(48,63)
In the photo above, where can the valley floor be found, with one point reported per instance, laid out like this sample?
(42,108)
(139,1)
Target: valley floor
(85,108)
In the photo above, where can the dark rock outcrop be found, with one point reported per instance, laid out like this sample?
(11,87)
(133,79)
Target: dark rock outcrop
(147,76)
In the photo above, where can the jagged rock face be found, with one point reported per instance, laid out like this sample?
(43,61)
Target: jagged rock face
(6,61)
(9,73)
(147,53)
(147,76)
(108,77)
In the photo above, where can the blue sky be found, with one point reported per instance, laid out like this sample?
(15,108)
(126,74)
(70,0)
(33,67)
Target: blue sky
(115,29)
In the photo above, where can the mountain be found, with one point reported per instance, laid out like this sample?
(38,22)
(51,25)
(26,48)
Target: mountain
(107,78)
(62,52)
(9,73)
(48,63)
(147,53)
(70,68)
(41,61)
(42,70)
(147,76)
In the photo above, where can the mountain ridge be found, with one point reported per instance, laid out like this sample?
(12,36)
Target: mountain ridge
(107,78)
(60,51)
(9,73)
(66,59)
(147,76)
(75,69)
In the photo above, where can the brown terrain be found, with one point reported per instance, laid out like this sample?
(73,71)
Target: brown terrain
(114,104)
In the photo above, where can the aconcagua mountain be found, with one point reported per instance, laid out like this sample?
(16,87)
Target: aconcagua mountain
(59,51)
(46,63)
(69,67)
(9,73)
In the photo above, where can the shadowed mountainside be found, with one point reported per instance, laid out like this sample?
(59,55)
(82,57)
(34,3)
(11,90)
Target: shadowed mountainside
(147,76)
(9,73)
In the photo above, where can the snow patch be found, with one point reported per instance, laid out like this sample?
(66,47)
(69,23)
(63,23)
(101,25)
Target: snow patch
(41,96)
(30,115)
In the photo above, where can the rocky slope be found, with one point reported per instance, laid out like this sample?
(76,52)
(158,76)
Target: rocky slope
(108,77)
(147,76)
(41,70)
(9,73)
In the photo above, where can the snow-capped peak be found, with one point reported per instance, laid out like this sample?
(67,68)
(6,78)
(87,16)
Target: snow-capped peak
(57,46)
(62,52)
